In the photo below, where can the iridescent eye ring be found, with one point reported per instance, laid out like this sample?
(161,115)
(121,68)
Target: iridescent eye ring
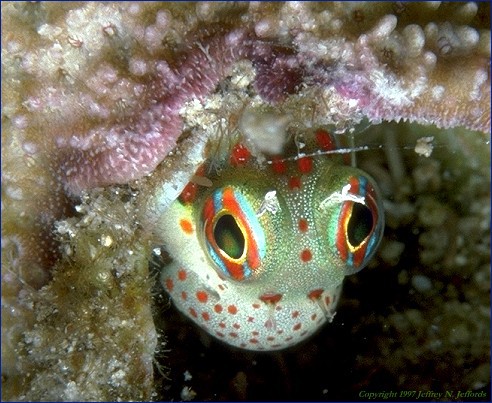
(233,235)
(358,223)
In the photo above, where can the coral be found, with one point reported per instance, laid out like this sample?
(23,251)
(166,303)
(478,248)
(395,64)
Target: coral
(80,79)
(93,336)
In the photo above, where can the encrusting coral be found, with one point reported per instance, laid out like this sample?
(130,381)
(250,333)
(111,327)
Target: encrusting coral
(101,94)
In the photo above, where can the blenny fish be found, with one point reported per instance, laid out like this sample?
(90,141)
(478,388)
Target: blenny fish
(260,249)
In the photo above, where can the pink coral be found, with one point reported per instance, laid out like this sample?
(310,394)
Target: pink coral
(132,148)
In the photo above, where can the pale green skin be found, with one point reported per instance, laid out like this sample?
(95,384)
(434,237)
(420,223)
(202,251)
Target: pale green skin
(296,316)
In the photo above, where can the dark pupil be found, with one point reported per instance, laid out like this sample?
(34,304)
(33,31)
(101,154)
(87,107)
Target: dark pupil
(229,237)
(360,224)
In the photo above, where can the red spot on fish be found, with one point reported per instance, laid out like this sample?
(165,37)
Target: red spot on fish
(294,183)
(305,164)
(218,308)
(303,225)
(325,140)
(270,298)
(306,255)
(239,155)
(169,284)
(315,294)
(278,166)
(188,195)
(202,296)
(186,226)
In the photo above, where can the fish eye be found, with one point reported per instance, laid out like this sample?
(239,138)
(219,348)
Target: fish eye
(229,237)
(232,235)
(355,220)
(360,225)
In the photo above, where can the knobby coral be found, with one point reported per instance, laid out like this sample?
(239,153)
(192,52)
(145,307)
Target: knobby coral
(100,94)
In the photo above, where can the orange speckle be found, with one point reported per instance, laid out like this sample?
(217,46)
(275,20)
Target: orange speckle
(232,309)
(169,284)
(202,296)
(306,255)
(193,313)
(186,226)
(297,326)
(236,326)
(222,325)
(305,164)
(218,308)
(313,316)
(295,314)
(184,295)
(303,225)
(294,183)
(327,300)
(270,338)
(182,275)
(233,334)
(205,316)
(253,341)
(256,306)
(220,334)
